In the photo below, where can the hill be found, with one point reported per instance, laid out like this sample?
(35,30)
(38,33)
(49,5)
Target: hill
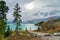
(50,26)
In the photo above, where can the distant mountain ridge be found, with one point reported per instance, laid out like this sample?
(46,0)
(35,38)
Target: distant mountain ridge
(38,20)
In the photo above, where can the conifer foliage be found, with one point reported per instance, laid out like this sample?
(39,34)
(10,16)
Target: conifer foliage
(17,16)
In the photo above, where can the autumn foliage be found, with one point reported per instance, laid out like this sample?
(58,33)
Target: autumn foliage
(50,25)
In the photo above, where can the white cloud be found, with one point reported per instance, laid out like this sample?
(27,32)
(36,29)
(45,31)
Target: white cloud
(47,7)
(10,16)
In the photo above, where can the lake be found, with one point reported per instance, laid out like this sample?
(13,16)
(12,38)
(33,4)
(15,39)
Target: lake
(23,26)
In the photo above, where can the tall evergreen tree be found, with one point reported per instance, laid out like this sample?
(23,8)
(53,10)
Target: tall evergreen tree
(17,16)
(3,10)
(38,29)
(26,29)
(7,32)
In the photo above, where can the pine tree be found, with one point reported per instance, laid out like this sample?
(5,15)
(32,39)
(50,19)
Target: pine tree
(38,28)
(3,10)
(17,16)
(26,29)
(8,32)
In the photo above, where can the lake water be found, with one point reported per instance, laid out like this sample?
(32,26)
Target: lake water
(24,26)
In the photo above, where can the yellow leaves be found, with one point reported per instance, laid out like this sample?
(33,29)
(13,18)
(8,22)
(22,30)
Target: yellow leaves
(44,24)
(51,26)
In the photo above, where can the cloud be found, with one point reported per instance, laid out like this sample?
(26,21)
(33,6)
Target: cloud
(42,9)
(10,16)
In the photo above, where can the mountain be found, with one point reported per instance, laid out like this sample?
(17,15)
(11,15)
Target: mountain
(39,20)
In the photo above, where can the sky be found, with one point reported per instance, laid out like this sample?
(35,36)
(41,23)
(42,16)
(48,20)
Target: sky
(34,9)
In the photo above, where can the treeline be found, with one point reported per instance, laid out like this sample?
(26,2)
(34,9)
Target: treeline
(49,26)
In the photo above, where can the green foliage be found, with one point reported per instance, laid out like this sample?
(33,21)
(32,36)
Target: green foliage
(2,26)
(39,24)
(8,32)
(38,28)
(50,26)
(17,16)
(3,10)
(26,29)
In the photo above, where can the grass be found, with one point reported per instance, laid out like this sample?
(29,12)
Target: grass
(4,38)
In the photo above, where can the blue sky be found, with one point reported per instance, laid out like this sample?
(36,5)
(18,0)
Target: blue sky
(34,9)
